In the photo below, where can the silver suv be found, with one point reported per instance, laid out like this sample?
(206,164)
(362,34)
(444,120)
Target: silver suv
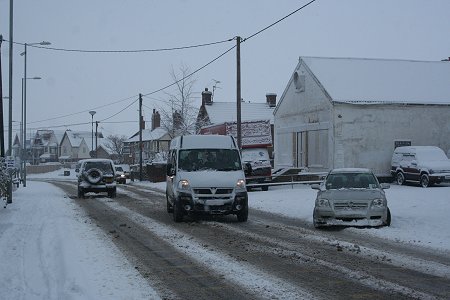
(96,175)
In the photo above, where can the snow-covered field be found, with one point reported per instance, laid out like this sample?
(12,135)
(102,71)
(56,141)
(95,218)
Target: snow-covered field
(44,237)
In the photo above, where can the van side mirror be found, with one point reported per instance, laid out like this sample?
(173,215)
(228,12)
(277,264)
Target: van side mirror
(77,170)
(247,169)
(170,170)
(315,186)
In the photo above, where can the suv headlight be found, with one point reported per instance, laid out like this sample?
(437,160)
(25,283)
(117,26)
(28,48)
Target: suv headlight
(184,184)
(322,202)
(240,184)
(378,203)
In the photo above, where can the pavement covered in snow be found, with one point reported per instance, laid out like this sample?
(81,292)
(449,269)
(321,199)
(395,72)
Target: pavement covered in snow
(50,249)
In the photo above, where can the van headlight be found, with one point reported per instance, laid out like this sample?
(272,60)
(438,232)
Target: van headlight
(378,203)
(240,184)
(322,202)
(184,184)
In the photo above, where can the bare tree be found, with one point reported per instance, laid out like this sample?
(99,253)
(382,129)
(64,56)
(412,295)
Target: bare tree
(180,115)
(115,144)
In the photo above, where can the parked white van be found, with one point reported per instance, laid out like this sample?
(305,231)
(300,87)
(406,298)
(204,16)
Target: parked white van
(426,165)
(205,175)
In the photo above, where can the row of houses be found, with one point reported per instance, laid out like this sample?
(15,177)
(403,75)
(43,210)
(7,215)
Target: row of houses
(60,146)
(333,112)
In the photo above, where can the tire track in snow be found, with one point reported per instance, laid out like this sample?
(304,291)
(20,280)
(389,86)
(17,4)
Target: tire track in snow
(250,278)
(358,276)
(399,260)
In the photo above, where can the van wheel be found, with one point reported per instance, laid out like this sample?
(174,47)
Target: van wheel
(177,213)
(400,178)
(242,216)
(265,188)
(424,180)
(169,207)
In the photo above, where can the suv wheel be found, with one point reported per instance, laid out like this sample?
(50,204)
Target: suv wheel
(424,180)
(112,193)
(400,178)
(80,193)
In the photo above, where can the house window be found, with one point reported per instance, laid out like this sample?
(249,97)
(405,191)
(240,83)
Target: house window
(299,82)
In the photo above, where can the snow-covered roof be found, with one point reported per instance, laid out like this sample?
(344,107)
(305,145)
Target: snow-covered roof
(148,135)
(76,137)
(220,112)
(362,80)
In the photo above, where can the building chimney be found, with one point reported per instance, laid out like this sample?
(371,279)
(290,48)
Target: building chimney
(271,99)
(206,97)
(142,123)
(156,119)
(177,120)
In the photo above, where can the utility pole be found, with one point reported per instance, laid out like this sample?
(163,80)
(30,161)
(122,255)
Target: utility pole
(140,137)
(2,131)
(238,90)
(96,130)
(11,39)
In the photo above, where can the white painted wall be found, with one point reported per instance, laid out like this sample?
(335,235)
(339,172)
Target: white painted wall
(367,133)
(303,107)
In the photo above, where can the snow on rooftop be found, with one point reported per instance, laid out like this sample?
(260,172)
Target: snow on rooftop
(362,80)
(220,112)
(149,135)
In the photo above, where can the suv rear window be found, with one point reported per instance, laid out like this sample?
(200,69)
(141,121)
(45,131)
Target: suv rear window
(103,166)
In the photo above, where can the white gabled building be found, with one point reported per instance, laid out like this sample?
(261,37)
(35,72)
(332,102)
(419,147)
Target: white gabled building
(76,145)
(351,112)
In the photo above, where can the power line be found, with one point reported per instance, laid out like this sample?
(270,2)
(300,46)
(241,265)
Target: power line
(276,22)
(127,51)
(119,111)
(190,74)
(84,111)
(157,50)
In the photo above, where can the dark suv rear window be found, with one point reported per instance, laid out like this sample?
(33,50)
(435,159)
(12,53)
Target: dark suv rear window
(103,166)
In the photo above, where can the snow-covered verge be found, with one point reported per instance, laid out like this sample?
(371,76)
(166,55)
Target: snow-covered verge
(49,250)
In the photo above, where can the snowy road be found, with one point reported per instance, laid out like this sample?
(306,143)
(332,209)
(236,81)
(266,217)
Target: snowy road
(267,257)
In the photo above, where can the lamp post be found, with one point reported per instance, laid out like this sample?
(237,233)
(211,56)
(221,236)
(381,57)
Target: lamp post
(24,111)
(92,112)
(24,155)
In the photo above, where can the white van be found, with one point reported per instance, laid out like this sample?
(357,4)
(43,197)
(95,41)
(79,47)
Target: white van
(205,175)
(426,165)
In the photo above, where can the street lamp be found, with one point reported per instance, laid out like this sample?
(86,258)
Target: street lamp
(24,90)
(24,155)
(92,112)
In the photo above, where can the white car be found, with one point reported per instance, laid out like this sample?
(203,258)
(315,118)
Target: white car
(120,175)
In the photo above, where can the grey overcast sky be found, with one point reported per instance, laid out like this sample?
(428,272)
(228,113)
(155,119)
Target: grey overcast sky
(78,82)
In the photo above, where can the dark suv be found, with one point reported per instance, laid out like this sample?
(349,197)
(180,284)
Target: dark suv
(96,175)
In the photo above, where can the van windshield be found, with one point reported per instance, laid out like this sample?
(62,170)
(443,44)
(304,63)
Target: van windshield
(209,159)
